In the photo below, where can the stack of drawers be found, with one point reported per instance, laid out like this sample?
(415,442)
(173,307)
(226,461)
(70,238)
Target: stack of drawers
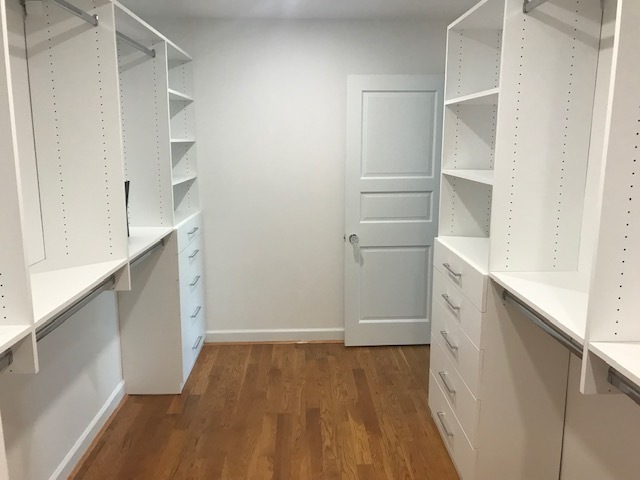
(459,306)
(191,278)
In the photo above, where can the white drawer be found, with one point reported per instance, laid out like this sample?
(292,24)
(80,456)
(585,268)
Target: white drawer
(470,281)
(191,278)
(190,256)
(461,400)
(188,231)
(462,452)
(464,355)
(468,316)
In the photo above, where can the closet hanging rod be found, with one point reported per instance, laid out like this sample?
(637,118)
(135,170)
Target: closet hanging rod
(530,5)
(63,316)
(626,386)
(146,253)
(92,19)
(149,51)
(542,323)
(6,359)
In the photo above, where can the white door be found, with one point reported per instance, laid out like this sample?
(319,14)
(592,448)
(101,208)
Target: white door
(391,205)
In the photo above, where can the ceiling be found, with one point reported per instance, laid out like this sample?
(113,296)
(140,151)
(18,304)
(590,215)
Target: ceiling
(441,10)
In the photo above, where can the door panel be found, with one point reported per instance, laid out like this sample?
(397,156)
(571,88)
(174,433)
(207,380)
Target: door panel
(391,192)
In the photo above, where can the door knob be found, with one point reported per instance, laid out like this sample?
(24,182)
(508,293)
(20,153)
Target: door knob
(353,239)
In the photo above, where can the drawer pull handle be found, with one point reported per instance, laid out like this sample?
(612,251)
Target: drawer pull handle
(443,376)
(451,305)
(194,254)
(451,270)
(195,281)
(196,312)
(451,346)
(198,340)
(448,432)
(194,230)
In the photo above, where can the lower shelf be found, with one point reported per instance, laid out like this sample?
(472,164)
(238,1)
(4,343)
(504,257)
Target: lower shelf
(623,356)
(12,334)
(53,291)
(560,297)
(141,238)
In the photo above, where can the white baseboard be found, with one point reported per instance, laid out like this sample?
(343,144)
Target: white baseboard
(84,442)
(276,335)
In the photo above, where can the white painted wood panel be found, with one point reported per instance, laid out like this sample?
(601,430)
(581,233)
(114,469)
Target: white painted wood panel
(459,348)
(464,405)
(467,315)
(393,138)
(461,451)
(466,259)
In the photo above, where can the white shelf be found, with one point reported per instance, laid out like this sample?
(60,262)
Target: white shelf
(183,140)
(176,55)
(478,176)
(183,179)
(55,290)
(485,15)
(473,250)
(12,334)
(623,356)
(141,238)
(176,96)
(485,97)
(559,297)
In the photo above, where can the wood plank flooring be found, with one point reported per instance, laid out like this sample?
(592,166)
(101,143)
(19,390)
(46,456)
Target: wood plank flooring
(283,411)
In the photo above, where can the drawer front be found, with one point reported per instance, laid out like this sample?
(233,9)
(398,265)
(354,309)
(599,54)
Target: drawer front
(468,316)
(191,277)
(190,257)
(461,451)
(470,281)
(193,329)
(461,400)
(459,349)
(189,231)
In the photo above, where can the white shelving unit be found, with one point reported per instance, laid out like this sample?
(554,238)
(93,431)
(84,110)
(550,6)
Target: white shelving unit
(516,168)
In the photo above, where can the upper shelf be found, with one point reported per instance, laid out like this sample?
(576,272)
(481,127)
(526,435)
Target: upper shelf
(183,179)
(485,15)
(176,96)
(56,290)
(183,140)
(479,176)
(485,97)
(559,297)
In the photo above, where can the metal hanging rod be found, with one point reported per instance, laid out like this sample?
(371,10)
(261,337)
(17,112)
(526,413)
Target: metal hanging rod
(565,340)
(149,51)
(626,386)
(146,253)
(530,5)
(63,316)
(92,19)
(6,359)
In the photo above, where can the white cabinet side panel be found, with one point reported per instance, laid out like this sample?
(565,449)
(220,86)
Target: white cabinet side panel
(613,312)
(544,122)
(24,132)
(15,301)
(76,113)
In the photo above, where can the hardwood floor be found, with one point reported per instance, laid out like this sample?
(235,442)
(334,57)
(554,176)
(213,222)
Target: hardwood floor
(310,411)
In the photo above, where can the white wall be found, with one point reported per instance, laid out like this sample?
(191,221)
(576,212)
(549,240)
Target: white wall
(270,115)
(49,419)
